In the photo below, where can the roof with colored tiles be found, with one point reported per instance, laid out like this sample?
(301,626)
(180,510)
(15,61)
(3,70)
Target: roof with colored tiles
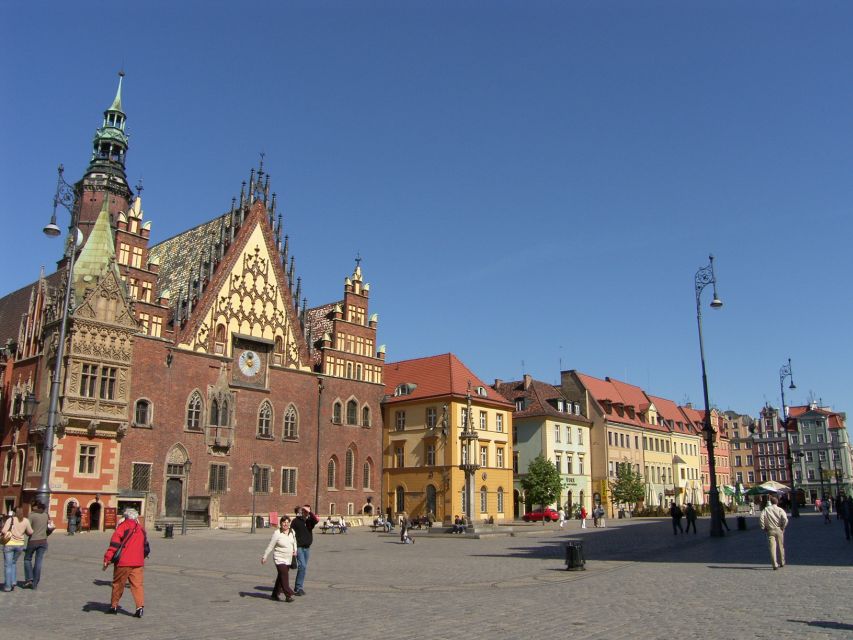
(835,420)
(537,395)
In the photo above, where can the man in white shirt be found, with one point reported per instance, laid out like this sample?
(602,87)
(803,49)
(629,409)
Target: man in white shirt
(773,521)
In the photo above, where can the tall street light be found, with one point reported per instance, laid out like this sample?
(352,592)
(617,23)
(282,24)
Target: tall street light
(704,277)
(785,372)
(65,196)
(255,469)
(469,440)
(188,465)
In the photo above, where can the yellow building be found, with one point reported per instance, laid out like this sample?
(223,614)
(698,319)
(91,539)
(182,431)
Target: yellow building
(426,408)
(686,446)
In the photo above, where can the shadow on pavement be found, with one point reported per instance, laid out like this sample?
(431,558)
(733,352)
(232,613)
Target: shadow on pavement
(101,607)
(254,594)
(652,540)
(825,624)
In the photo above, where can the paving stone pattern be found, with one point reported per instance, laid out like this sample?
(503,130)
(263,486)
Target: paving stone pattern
(641,582)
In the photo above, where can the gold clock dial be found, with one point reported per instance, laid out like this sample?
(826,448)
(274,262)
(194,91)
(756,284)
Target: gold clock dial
(249,363)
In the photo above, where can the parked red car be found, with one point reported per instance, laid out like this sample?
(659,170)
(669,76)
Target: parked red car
(538,514)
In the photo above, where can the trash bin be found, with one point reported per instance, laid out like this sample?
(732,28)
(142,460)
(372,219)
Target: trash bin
(169,531)
(259,522)
(574,556)
(741,523)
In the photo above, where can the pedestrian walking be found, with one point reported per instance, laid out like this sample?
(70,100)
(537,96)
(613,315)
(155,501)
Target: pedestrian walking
(751,508)
(562,516)
(845,512)
(690,512)
(773,521)
(303,528)
(127,552)
(599,514)
(15,529)
(283,547)
(723,517)
(583,517)
(74,517)
(37,545)
(824,509)
(676,514)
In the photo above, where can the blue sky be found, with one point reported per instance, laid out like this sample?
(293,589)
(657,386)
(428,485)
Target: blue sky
(531,184)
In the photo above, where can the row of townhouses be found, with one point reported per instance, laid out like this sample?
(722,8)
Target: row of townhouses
(196,384)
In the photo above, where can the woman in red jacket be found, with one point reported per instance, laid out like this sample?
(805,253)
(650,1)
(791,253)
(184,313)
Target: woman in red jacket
(130,544)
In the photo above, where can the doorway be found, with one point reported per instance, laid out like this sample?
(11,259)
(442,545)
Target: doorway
(430,499)
(174,497)
(95,516)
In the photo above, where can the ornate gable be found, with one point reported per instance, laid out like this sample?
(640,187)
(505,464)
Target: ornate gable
(251,301)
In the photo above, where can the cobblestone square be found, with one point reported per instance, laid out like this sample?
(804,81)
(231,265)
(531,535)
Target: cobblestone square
(641,582)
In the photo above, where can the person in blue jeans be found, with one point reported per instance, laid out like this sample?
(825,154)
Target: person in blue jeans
(303,528)
(37,545)
(15,529)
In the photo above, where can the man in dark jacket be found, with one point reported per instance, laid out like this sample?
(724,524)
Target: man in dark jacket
(303,526)
(676,515)
(130,542)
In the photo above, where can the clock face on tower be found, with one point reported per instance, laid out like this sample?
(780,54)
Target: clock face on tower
(250,363)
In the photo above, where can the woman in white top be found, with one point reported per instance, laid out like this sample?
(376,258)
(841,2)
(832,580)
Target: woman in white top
(15,529)
(283,546)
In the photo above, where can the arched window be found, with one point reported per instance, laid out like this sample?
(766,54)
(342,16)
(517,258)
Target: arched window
(400,496)
(500,499)
(265,420)
(365,416)
(291,423)
(336,413)
(331,474)
(214,412)
(358,372)
(352,412)
(7,468)
(142,413)
(366,475)
(223,414)
(19,468)
(349,469)
(194,407)
(484,500)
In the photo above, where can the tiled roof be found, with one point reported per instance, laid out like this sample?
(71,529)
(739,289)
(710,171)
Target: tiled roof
(537,396)
(318,321)
(180,255)
(13,306)
(669,411)
(436,376)
(835,420)
(605,390)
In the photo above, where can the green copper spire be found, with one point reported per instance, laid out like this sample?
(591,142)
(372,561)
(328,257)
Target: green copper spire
(110,143)
(98,252)
(116,105)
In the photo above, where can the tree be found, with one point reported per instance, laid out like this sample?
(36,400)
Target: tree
(629,486)
(542,483)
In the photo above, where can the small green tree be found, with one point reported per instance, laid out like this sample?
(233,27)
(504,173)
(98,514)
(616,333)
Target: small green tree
(542,483)
(629,486)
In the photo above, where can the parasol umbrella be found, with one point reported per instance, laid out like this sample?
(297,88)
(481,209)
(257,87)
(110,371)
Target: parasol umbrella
(775,487)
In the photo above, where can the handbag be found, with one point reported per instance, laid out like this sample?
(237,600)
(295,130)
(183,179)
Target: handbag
(50,527)
(293,563)
(124,539)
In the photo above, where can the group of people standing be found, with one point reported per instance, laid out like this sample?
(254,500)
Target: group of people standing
(676,513)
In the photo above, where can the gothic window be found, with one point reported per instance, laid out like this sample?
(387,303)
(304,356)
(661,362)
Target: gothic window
(142,413)
(194,409)
(140,478)
(265,420)
(262,480)
(291,423)
(108,383)
(214,412)
(19,467)
(278,351)
(331,474)
(484,500)
(7,467)
(400,500)
(288,481)
(88,380)
(365,416)
(352,412)
(336,413)
(500,500)
(367,475)
(349,470)
(218,478)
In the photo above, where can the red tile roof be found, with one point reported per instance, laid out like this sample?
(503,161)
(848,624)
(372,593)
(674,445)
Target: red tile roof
(537,396)
(835,420)
(670,412)
(437,376)
(609,390)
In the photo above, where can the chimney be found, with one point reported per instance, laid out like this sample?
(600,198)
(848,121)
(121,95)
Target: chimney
(527,381)
(498,383)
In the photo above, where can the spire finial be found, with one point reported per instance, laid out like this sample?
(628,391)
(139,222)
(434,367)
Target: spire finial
(116,105)
(139,188)
(261,164)
(358,259)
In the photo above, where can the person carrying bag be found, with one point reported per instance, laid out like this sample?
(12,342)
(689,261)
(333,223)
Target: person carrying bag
(127,552)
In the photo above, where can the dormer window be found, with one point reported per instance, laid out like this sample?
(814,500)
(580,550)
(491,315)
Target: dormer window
(519,404)
(481,391)
(405,389)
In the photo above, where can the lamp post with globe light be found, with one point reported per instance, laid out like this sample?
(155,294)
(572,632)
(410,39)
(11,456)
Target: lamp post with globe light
(704,277)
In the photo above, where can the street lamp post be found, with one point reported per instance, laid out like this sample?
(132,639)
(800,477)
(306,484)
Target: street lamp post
(785,372)
(65,196)
(469,439)
(255,469)
(704,277)
(187,466)
(820,474)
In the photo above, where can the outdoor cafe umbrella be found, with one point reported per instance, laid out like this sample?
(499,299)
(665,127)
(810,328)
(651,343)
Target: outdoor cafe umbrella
(771,486)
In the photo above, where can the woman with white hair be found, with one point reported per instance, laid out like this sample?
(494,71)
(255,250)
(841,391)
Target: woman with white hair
(127,552)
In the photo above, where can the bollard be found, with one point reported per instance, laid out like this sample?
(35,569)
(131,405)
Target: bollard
(574,556)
